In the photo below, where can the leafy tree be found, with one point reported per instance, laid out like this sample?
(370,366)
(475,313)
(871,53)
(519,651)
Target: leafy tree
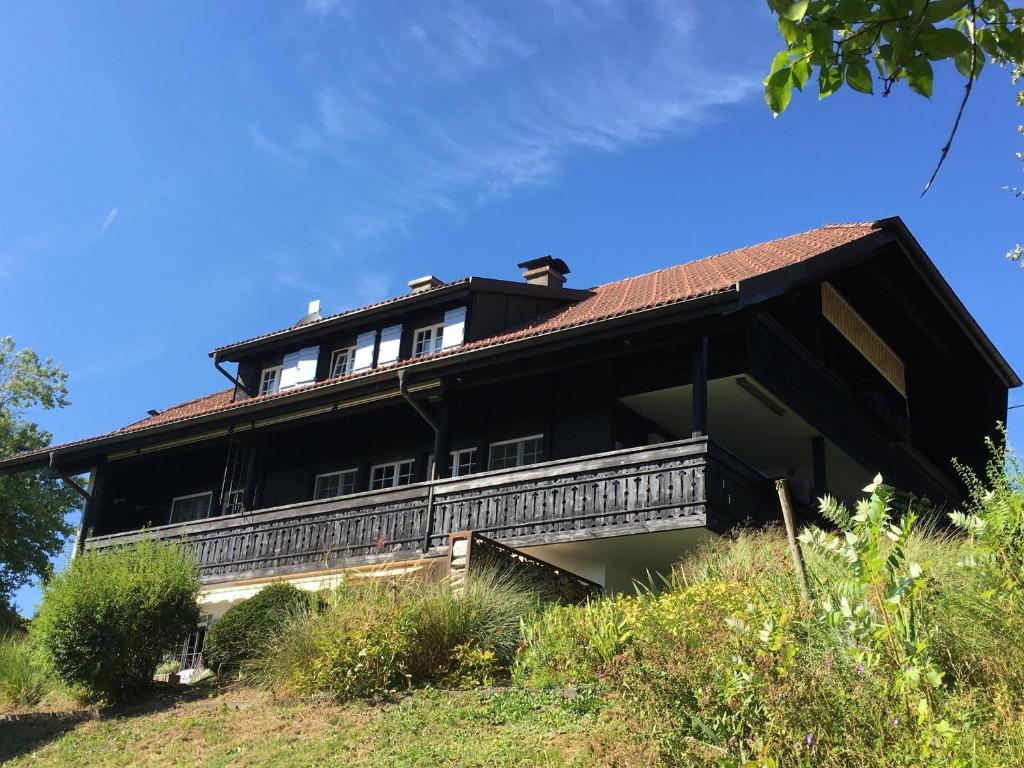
(838,41)
(33,505)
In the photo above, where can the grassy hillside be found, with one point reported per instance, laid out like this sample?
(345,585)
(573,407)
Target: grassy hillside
(237,726)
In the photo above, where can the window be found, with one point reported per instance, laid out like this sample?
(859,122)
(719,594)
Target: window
(428,340)
(232,504)
(195,506)
(333,484)
(516,453)
(270,380)
(342,361)
(463,462)
(391,475)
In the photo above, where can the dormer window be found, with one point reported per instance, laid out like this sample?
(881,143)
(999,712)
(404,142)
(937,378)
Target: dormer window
(428,340)
(343,361)
(270,380)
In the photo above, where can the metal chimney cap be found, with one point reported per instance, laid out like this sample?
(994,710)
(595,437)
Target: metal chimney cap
(425,283)
(556,265)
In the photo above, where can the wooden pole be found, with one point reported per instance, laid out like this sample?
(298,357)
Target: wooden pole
(794,547)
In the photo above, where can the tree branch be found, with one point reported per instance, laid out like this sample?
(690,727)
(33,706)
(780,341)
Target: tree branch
(963,105)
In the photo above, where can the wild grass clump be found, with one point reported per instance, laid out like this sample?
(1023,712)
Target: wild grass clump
(377,636)
(246,628)
(107,621)
(910,650)
(24,679)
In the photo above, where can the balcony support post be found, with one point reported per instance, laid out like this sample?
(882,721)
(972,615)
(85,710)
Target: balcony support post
(700,387)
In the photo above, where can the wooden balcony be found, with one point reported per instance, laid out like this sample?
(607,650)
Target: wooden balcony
(682,484)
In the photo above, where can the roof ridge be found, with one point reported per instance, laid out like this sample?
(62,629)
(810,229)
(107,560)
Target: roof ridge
(840,225)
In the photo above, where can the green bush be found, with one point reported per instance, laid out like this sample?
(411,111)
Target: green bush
(24,681)
(107,621)
(378,636)
(248,627)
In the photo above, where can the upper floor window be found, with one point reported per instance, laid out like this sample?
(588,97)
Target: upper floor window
(331,484)
(463,462)
(343,361)
(195,506)
(270,380)
(428,340)
(516,453)
(391,475)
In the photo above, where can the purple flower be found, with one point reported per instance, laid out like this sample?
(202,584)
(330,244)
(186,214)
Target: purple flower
(860,669)
(895,721)
(932,742)
(808,739)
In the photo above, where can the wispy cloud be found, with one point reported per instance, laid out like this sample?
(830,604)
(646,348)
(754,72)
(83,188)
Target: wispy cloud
(448,107)
(109,220)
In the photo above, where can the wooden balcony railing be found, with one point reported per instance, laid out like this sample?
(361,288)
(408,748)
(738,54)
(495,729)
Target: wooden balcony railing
(685,483)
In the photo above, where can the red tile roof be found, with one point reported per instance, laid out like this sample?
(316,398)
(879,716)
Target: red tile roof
(703,277)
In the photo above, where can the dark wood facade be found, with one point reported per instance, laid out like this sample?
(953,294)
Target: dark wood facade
(672,417)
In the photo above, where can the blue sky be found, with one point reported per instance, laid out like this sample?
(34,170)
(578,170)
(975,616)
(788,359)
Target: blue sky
(182,175)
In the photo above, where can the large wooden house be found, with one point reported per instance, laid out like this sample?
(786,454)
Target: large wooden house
(604,431)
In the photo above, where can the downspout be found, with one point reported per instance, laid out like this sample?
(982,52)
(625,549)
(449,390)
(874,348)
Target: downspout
(234,380)
(428,522)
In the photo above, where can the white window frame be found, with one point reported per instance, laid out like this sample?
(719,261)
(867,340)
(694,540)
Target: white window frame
(453,466)
(393,475)
(520,443)
(234,497)
(348,361)
(176,499)
(340,474)
(428,340)
(276,370)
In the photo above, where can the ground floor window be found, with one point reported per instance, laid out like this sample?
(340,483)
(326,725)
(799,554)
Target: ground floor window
(463,462)
(190,652)
(195,506)
(392,474)
(331,484)
(516,453)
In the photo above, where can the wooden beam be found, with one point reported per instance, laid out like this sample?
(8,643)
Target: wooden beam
(700,387)
(819,475)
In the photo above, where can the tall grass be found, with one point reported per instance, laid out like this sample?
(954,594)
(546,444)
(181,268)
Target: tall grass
(24,681)
(379,635)
(726,665)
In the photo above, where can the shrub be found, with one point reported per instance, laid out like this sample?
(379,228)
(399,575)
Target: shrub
(248,627)
(24,681)
(107,621)
(467,636)
(378,636)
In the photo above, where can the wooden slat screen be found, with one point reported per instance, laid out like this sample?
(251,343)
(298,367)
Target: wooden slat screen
(863,337)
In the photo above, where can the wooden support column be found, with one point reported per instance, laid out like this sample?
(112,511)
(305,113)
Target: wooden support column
(819,481)
(700,387)
(441,442)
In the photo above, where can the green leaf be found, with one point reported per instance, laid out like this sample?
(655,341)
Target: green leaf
(801,72)
(919,76)
(963,63)
(944,43)
(780,60)
(777,90)
(859,77)
(853,10)
(795,11)
(939,10)
(830,80)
